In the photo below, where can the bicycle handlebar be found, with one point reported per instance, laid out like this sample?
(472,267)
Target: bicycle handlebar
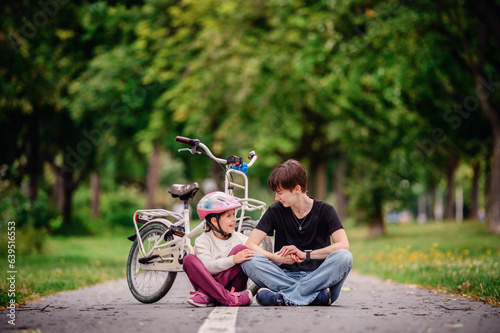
(187,141)
(195,143)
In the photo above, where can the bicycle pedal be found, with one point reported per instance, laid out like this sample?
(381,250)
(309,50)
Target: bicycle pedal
(146,260)
(176,231)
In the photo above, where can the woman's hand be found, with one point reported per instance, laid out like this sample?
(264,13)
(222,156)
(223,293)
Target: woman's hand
(296,258)
(242,256)
(293,252)
(289,255)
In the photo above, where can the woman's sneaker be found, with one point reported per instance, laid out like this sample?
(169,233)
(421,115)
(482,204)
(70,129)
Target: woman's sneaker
(323,298)
(242,298)
(201,300)
(267,297)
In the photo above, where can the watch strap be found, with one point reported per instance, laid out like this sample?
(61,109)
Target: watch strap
(308,255)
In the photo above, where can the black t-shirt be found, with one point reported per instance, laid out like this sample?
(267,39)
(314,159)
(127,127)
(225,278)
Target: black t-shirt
(317,228)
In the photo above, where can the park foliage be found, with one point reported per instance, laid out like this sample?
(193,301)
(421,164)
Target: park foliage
(383,101)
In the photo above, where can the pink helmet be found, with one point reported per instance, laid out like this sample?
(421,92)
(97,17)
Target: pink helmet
(215,203)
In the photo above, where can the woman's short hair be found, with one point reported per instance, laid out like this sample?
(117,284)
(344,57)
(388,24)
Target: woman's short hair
(287,175)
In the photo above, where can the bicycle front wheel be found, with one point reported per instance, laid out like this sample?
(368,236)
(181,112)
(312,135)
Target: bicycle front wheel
(148,286)
(267,244)
(247,228)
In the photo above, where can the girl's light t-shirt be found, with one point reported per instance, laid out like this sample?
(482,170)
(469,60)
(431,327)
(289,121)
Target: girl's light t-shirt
(213,252)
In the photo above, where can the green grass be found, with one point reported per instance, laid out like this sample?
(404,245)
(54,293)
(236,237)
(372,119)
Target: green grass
(68,263)
(454,258)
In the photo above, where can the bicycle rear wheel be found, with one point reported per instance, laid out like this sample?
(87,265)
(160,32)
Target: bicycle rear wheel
(148,286)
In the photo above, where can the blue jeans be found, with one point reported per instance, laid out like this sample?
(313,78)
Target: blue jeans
(301,288)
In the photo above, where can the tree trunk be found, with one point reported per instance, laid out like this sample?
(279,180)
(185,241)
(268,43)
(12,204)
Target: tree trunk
(459,204)
(34,161)
(67,198)
(377,227)
(430,195)
(476,167)
(422,209)
(450,190)
(57,192)
(320,181)
(94,202)
(494,195)
(65,186)
(438,207)
(153,177)
(340,197)
(487,184)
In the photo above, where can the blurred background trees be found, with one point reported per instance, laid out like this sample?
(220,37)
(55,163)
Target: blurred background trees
(391,105)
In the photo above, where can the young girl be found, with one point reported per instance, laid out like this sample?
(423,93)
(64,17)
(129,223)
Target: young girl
(215,272)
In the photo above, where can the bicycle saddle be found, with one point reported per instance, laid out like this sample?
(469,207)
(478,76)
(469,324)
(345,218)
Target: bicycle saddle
(184,192)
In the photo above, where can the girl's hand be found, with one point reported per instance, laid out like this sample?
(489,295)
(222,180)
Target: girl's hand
(288,259)
(242,256)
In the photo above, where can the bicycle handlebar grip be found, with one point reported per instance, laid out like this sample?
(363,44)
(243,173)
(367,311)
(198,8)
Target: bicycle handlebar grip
(186,141)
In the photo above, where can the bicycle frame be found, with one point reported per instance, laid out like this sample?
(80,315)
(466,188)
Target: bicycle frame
(171,248)
(247,204)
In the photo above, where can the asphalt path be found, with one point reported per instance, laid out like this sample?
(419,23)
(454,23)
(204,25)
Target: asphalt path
(366,304)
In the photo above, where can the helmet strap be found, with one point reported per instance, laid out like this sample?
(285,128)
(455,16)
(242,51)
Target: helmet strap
(219,230)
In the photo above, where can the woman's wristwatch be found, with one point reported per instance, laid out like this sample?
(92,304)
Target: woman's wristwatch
(308,254)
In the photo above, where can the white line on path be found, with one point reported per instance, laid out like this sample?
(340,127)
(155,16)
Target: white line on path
(221,320)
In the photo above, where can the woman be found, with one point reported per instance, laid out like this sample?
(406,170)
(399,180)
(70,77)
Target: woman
(312,259)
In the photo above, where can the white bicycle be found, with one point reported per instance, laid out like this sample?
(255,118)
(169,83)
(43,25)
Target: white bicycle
(163,238)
